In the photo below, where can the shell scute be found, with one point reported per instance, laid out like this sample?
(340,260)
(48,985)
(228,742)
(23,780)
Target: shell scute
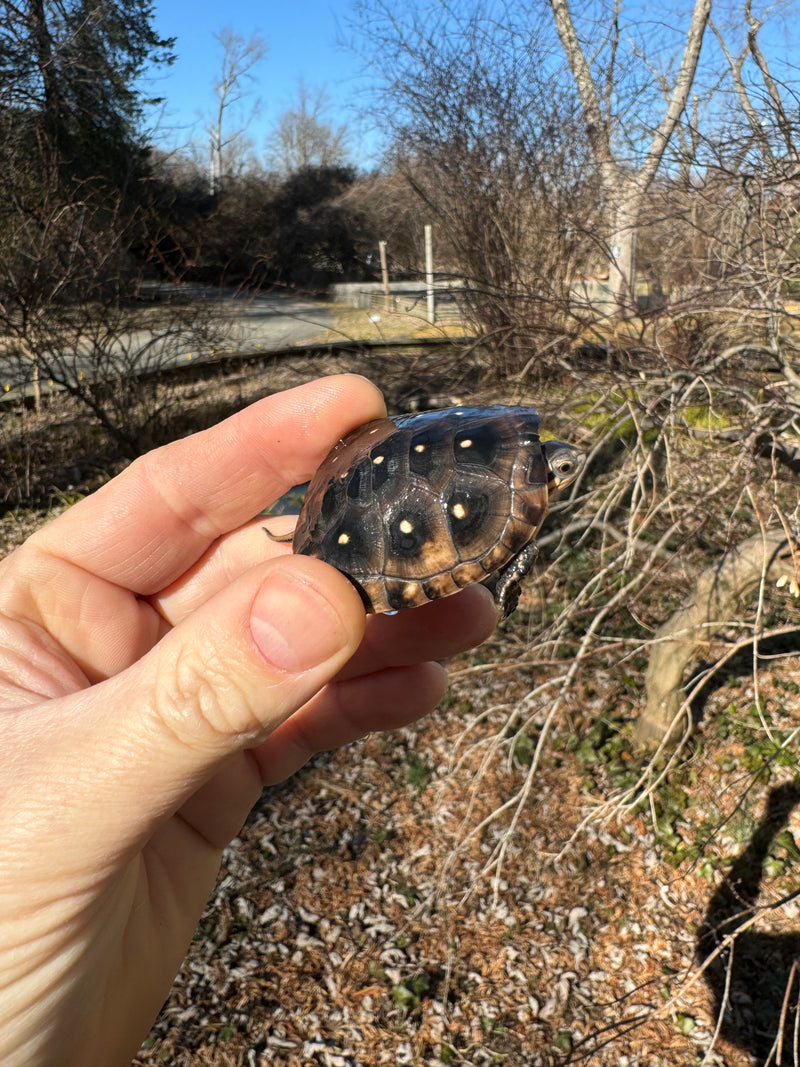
(359,484)
(479,446)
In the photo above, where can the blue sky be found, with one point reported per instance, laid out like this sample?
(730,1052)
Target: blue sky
(301,37)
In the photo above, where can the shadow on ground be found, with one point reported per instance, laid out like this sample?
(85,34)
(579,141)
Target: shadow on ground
(755,978)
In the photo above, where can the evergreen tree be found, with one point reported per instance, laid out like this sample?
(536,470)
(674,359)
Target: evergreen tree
(70,90)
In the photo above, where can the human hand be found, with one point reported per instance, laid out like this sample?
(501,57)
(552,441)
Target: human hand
(161,660)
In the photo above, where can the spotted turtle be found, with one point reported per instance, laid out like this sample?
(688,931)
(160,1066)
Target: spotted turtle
(415,507)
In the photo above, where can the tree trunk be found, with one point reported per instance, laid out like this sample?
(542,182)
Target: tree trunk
(622,262)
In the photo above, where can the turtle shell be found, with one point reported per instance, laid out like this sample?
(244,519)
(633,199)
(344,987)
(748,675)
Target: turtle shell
(412,508)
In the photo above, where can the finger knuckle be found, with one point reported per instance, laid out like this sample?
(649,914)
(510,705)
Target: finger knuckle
(199,698)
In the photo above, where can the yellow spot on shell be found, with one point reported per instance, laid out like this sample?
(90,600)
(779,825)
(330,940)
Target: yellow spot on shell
(406,527)
(378,459)
(343,539)
(420,448)
(459,511)
(466,443)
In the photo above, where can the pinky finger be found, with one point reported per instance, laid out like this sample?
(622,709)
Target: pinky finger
(347,710)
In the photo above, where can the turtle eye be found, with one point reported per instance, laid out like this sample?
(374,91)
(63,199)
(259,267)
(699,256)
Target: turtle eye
(566,465)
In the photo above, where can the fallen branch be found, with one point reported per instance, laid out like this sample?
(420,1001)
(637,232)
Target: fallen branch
(719,589)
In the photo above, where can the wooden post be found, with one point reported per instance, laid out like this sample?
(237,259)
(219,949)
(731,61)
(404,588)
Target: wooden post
(429,273)
(387,306)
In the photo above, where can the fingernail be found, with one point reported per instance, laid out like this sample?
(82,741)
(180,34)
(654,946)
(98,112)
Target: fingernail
(293,625)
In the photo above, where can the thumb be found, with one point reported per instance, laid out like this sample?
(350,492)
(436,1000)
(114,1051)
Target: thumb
(235,669)
(219,682)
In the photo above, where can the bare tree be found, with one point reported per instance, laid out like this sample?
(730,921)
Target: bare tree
(493,146)
(234,83)
(81,317)
(624,185)
(765,162)
(630,102)
(392,210)
(303,137)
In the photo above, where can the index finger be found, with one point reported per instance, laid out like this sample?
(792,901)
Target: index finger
(143,529)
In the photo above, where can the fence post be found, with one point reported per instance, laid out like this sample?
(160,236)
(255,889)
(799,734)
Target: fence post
(429,273)
(384,276)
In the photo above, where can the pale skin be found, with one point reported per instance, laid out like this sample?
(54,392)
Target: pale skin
(161,660)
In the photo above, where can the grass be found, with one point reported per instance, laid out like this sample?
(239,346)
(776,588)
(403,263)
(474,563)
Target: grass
(361,324)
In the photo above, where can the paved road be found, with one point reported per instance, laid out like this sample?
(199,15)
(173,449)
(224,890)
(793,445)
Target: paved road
(252,323)
(273,321)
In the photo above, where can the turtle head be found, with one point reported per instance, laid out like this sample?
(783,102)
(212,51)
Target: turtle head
(564,464)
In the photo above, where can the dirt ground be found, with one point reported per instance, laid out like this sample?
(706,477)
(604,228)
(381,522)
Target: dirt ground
(359,919)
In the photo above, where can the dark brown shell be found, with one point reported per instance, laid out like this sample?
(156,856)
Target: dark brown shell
(415,507)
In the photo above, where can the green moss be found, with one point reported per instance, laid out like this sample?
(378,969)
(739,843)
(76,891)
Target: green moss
(701,417)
